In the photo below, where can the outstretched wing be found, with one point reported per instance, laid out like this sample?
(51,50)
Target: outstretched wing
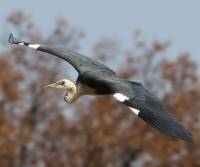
(80,62)
(149,108)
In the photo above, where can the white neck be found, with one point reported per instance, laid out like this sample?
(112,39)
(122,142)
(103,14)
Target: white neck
(72,93)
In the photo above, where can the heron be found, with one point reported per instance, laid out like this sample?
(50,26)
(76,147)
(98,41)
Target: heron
(94,78)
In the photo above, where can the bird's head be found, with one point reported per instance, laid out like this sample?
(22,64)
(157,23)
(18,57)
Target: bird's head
(63,84)
(67,85)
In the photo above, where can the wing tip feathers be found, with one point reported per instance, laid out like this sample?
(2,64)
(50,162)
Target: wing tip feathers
(11,39)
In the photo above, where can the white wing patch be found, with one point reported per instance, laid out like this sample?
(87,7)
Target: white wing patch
(34,46)
(120,97)
(135,110)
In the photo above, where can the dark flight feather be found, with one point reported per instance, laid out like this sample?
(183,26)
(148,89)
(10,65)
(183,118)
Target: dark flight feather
(152,112)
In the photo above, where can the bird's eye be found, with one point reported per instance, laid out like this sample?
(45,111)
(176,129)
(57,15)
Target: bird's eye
(62,83)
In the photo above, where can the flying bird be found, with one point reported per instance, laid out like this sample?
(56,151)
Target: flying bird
(95,78)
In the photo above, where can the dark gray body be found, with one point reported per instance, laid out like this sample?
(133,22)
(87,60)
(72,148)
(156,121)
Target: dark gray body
(96,79)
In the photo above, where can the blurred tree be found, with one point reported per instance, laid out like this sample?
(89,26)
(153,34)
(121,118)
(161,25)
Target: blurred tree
(36,130)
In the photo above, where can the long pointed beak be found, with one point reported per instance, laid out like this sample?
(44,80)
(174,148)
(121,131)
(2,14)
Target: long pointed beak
(51,86)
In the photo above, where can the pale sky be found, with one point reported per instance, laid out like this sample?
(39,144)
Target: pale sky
(175,20)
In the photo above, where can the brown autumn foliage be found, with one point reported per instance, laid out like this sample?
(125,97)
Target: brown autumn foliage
(38,129)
